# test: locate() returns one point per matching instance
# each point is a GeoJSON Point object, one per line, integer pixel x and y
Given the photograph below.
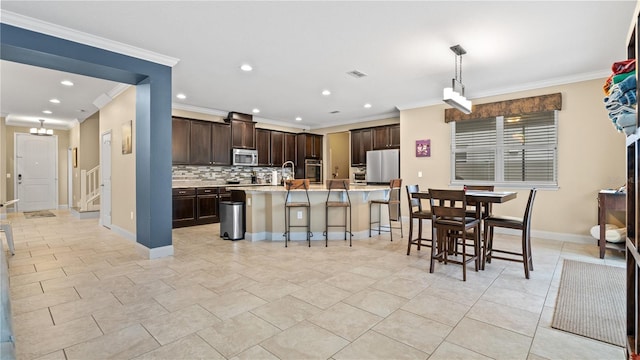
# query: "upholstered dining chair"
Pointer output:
{"type": "Point", "coordinates": [340, 200]}
{"type": "Point", "coordinates": [523, 224]}
{"type": "Point", "coordinates": [392, 203]}
{"type": "Point", "coordinates": [302, 202]}
{"type": "Point", "coordinates": [452, 226]}
{"type": "Point", "coordinates": [416, 212]}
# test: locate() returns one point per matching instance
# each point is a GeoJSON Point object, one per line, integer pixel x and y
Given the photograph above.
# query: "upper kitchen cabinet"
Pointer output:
{"type": "Point", "coordinates": [386, 137]}
{"type": "Point", "coordinates": [263, 145]}
{"type": "Point", "coordinates": [243, 134]}
{"type": "Point", "coordinates": [289, 147]}
{"type": "Point", "coordinates": [277, 148]}
{"type": "Point", "coordinates": [221, 144]}
{"type": "Point", "coordinates": [200, 144]}
{"type": "Point", "coordinates": [309, 146]}
{"type": "Point", "coordinates": [180, 134]}
{"type": "Point", "coordinates": [360, 144]}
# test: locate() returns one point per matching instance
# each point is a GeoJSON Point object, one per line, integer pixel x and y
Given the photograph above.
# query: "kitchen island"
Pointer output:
{"type": "Point", "coordinates": [265, 212]}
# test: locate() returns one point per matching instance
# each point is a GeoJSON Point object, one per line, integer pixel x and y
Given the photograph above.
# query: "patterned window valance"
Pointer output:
{"type": "Point", "coordinates": [508, 108]}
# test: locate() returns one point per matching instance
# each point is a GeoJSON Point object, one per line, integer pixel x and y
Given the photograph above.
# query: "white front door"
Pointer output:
{"type": "Point", "coordinates": [105, 173]}
{"type": "Point", "coordinates": [36, 169]}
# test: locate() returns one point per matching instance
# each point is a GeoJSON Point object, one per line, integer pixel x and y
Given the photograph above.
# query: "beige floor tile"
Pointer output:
{"type": "Point", "coordinates": [18, 260]}
{"type": "Point", "coordinates": [117, 270]}
{"type": "Point", "coordinates": [505, 296]}
{"type": "Point", "coordinates": [372, 272]}
{"type": "Point", "coordinates": [190, 347]}
{"type": "Point", "coordinates": [345, 320]}
{"type": "Point", "coordinates": [445, 311]}
{"type": "Point", "coordinates": [350, 282]}
{"type": "Point", "coordinates": [104, 287]}
{"type": "Point", "coordinates": [188, 279]}
{"type": "Point", "coordinates": [79, 308]}
{"type": "Point", "coordinates": [87, 279]}
{"type": "Point", "coordinates": [228, 283]}
{"type": "Point", "coordinates": [459, 291]}
{"type": "Point", "coordinates": [177, 299]}
{"type": "Point", "coordinates": [231, 304]}
{"type": "Point", "coordinates": [45, 340]}
{"type": "Point", "coordinates": [556, 344]}
{"type": "Point", "coordinates": [120, 316]}
{"type": "Point", "coordinates": [123, 344]}
{"type": "Point", "coordinates": [490, 340]}
{"type": "Point", "coordinates": [21, 269]}
{"type": "Point", "coordinates": [449, 351]}
{"type": "Point", "coordinates": [31, 321]}
{"type": "Point", "coordinates": [255, 353]}
{"type": "Point", "coordinates": [51, 298]}
{"type": "Point", "coordinates": [400, 286]}
{"type": "Point", "coordinates": [304, 341]}
{"type": "Point", "coordinates": [504, 316]}
{"type": "Point", "coordinates": [373, 345]}
{"type": "Point", "coordinates": [376, 301]}
{"type": "Point", "coordinates": [23, 291]}
{"type": "Point", "coordinates": [172, 326]}
{"type": "Point", "coordinates": [285, 312]}
{"type": "Point", "coordinates": [238, 334]}
{"type": "Point", "coordinates": [141, 292]}
{"type": "Point", "coordinates": [36, 276]}
{"type": "Point", "coordinates": [56, 355]}
{"type": "Point", "coordinates": [414, 330]}
{"type": "Point", "coordinates": [321, 295]}
{"type": "Point", "coordinates": [147, 276]}
{"type": "Point", "coordinates": [273, 289]}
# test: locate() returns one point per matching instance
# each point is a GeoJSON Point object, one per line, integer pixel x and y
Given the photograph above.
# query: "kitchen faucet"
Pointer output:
{"type": "Point", "coordinates": [293, 169]}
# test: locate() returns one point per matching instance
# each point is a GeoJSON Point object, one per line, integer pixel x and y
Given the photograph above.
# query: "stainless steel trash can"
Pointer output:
{"type": "Point", "coordinates": [231, 220]}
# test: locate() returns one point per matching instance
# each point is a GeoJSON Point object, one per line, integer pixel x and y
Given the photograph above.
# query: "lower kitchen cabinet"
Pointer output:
{"type": "Point", "coordinates": [184, 207]}
{"type": "Point", "coordinates": [207, 206]}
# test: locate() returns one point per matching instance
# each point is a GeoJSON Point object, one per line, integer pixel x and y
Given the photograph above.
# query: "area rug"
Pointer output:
{"type": "Point", "coordinates": [591, 302]}
{"type": "Point", "coordinates": [38, 214]}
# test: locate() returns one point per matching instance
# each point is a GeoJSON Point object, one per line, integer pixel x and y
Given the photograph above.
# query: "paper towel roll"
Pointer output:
{"type": "Point", "coordinates": [274, 177]}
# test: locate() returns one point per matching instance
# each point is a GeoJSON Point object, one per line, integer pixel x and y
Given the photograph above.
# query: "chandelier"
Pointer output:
{"type": "Point", "coordinates": [450, 95]}
{"type": "Point", "coordinates": [41, 130]}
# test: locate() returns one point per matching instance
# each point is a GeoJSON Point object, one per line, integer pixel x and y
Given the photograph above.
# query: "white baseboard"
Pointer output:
{"type": "Point", "coordinates": [154, 253]}
{"type": "Point", "coordinates": [124, 233]}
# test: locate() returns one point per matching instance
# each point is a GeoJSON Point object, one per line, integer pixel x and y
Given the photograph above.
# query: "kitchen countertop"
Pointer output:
{"type": "Point", "coordinates": [312, 187]}
{"type": "Point", "coordinates": [204, 183]}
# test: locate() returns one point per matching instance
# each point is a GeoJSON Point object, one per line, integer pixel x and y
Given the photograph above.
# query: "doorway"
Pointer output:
{"type": "Point", "coordinates": [105, 176]}
{"type": "Point", "coordinates": [338, 164]}
{"type": "Point", "coordinates": [36, 169]}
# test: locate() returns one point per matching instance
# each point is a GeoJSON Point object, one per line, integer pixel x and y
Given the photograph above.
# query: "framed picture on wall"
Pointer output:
{"type": "Point", "coordinates": [127, 142]}
{"type": "Point", "coordinates": [423, 148]}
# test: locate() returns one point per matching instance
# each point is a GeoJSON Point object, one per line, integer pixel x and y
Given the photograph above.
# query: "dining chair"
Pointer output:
{"type": "Point", "coordinates": [416, 212]}
{"type": "Point", "coordinates": [472, 209]}
{"type": "Point", "coordinates": [304, 203]}
{"type": "Point", "coordinates": [452, 226]}
{"type": "Point", "coordinates": [523, 224]}
{"type": "Point", "coordinates": [341, 200]}
{"type": "Point", "coordinates": [392, 203]}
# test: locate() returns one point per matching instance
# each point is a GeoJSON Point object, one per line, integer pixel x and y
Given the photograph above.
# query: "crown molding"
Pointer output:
{"type": "Point", "coordinates": [199, 109]}
{"type": "Point", "coordinates": [25, 22]}
{"type": "Point", "coordinates": [392, 114]}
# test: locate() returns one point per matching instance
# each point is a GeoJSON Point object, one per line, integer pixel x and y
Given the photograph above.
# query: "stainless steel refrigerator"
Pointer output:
{"type": "Point", "coordinates": [382, 166]}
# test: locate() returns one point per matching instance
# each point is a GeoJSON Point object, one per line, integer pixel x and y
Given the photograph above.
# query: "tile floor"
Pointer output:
{"type": "Point", "coordinates": [79, 291]}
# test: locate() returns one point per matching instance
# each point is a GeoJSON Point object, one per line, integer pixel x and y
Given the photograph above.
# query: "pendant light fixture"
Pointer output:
{"type": "Point", "coordinates": [450, 95]}
{"type": "Point", "coordinates": [41, 130]}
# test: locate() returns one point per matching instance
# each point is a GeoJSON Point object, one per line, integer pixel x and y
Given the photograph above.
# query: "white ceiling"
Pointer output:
{"type": "Point", "coordinates": [297, 49]}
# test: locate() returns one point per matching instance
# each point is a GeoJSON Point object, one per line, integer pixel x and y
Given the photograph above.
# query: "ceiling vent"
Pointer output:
{"type": "Point", "coordinates": [334, 112]}
{"type": "Point", "coordinates": [356, 74]}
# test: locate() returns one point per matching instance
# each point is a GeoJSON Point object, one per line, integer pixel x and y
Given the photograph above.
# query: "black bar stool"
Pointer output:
{"type": "Point", "coordinates": [299, 184]}
{"type": "Point", "coordinates": [343, 201]}
{"type": "Point", "coordinates": [393, 207]}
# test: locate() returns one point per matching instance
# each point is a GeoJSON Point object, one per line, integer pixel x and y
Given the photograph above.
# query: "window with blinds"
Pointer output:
{"type": "Point", "coordinates": [516, 150]}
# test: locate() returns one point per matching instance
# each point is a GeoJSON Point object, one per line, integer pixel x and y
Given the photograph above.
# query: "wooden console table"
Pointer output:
{"type": "Point", "coordinates": [609, 201]}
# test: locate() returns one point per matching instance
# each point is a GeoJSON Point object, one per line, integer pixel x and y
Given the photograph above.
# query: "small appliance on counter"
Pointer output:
{"type": "Point", "coordinates": [360, 176]}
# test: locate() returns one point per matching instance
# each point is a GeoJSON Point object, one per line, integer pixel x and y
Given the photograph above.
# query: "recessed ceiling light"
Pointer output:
{"type": "Point", "coordinates": [47, 112]}
{"type": "Point", "coordinates": [181, 96]}
{"type": "Point", "coordinates": [54, 101]}
{"type": "Point", "coordinates": [367, 106]}
{"type": "Point", "coordinates": [255, 111]}
{"type": "Point", "coordinates": [66, 83]}
{"type": "Point", "coordinates": [326, 92]}
{"type": "Point", "coordinates": [298, 118]}
{"type": "Point", "coordinates": [246, 67]}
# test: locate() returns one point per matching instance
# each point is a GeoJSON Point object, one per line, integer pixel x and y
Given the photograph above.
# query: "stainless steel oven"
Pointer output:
{"type": "Point", "coordinates": [313, 170]}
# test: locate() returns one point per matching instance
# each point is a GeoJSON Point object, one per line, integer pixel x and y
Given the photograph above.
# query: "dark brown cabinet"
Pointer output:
{"type": "Point", "coordinates": [180, 134]}
{"type": "Point", "coordinates": [360, 144]}
{"type": "Point", "coordinates": [221, 144]}
{"type": "Point", "coordinates": [200, 144]}
{"type": "Point", "coordinates": [386, 137]}
{"type": "Point", "coordinates": [184, 207]}
{"type": "Point", "coordinates": [277, 148]}
{"type": "Point", "coordinates": [289, 147]}
{"type": "Point", "coordinates": [309, 146]}
{"type": "Point", "coordinates": [263, 145]}
{"type": "Point", "coordinates": [243, 134]}
{"type": "Point", "coordinates": [207, 206]}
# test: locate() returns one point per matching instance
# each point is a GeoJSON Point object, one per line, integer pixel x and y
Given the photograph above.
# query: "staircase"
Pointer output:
{"type": "Point", "coordinates": [90, 189]}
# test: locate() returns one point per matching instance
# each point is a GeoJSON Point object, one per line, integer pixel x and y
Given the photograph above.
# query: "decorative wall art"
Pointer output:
{"type": "Point", "coordinates": [423, 148]}
{"type": "Point", "coordinates": [127, 142]}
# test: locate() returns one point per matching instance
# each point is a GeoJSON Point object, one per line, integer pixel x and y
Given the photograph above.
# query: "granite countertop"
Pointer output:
{"type": "Point", "coordinates": [312, 187]}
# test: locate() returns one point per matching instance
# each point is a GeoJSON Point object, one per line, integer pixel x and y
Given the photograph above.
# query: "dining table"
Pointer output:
{"type": "Point", "coordinates": [481, 197]}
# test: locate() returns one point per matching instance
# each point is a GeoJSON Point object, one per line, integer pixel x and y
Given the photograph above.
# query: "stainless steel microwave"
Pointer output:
{"type": "Point", "coordinates": [245, 157]}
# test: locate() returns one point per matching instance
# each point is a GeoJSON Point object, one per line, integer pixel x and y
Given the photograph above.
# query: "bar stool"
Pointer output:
{"type": "Point", "coordinates": [5, 227]}
{"type": "Point", "coordinates": [344, 202]}
{"type": "Point", "coordinates": [522, 224]}
{"type": "Point", "coordinates": [417, 213]}
{"type": "Point", "coordinates": [452, 225]}
{"type": "Point", "coordinates": [392, 202]}
{"type": "Point", "coordinates": [298, 184]}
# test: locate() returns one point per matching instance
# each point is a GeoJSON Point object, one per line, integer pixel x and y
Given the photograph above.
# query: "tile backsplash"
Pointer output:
{"type": "Point", "coordinates": [221, 174]}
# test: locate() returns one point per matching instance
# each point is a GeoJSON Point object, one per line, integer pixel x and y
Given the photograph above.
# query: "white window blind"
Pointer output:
{"type": "Point", "coordinates": [517, 150]}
